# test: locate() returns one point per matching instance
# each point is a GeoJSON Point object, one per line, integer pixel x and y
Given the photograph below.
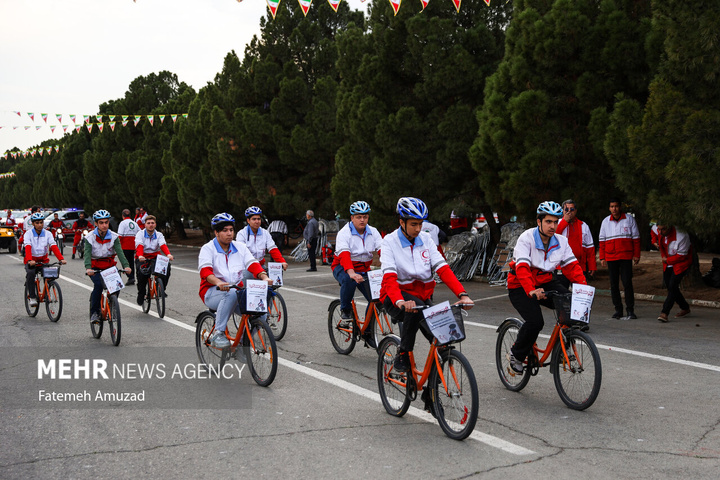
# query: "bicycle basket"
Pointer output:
{"type": "Point", "coordinates": [456, 333]}
{"type": "Point", "coordinates": [147, 268]}
{"type": "Point", "coordinates": [50, 272]}
{"type": "Point", "coordinates": [562, 304]}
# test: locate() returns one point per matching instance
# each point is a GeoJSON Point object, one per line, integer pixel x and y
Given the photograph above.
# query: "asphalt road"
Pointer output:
{"type": "Point", "coordinates": [657, 415]}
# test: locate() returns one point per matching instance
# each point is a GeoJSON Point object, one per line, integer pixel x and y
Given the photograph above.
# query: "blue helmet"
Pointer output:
{"type": "Point", "coordinates": [252, 211]}
{"type": "Point", "coordinates": [221, 220]}
{"type": "Point", "coordinates": [37, 216]}
{"type": "Point", "coordinates": [550, 208]}
{"type": "Point", "coordinates": [359, 207]}
{"type": "Point", "coordinates": [101, 214]}
{"type": "Point", "coordinates": [411, 207]}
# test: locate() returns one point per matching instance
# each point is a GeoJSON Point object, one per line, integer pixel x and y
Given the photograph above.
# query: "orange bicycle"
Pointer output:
{"type": "Point", "coordinates": [451, 394]}
{"type": "Point", "coordinates": [155, 289]}
{"type": "Point", "coordinates": [344, 334]}
{"type": "Point", "coordinates": [251, 342]}
{"type": "Point", "coordinates": [574, 358]}
{"type": "Point", "coordinates": [277, 313]}
{"type": "Point", "coordinates": [50, 292]}
{"type": "Point", "coordinates": [109, 312]}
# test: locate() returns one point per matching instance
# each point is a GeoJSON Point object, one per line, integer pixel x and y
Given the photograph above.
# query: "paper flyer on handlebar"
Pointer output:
{"type": "Point", "coordinates": [582, 299]}
{"type": "Point", "coordinates": [256, 293]}
{"type": "Point", "coordinates": [275, 272]}
{"type": "Point", "coordinates": [375, 278]}
{"type": "Point", "coordinates": [442, 323]}
{"type": "Point", "coordinates": [112, 280]}
{"type": "Point", "coordinates": [161, 264]}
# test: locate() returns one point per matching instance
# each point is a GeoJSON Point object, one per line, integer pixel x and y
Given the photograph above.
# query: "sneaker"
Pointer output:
{"type": "Point", "coordinates": [369, 339]}
{"type": "Point", "coordinates": [346, 315]}
{"type": "Point", "coordinates": [95, 318]}
{"type": "Point", "coordinates": [311, 270]}
{"type": "Point", "coordinates": [663, 317]}
{"type": "Point", "coordinates": [239, 354]}
{"type": "Point", "coordinates": [516, 365]}
{"type": "Point", "coordinates": [131, 281]}
{"type": "Point", "coordinates": [617, 314]}
{"type": "Point", "coordinates": [73, 256]}
{"type": "Point", "coordinates": [631, 315]}
{"type": "Point", "coordinates": [32, 302]}
{"type": "Point", "coordinates": [402, 362]}
{"type": "Point", "coordinates": [219, 340]}
{"type": "Point", "coordinates": [682, 313]}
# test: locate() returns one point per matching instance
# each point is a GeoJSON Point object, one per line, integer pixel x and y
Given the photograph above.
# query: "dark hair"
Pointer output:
{"type": "Point", "coordinates": [34, 208]}
{"type": "Point", "coordinates": [150, 217]}
{"type": "Point", "coordinates": [126, 213]}
{"type": "Point", "coordinates": [615, 200]}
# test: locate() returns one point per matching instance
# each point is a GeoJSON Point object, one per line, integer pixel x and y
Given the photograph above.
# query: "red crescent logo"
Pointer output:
{"type": "Point", "coordinates": [424, 254]}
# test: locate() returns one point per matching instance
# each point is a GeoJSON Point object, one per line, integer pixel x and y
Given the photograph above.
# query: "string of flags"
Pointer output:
{"type": "Point", "coordinates": [76, 124]}
{"type": "Point", "coordinates": [7, 175]}
{"type": "Point", "coordinates": [32, 152]}
{"type": "Point", "coordinates": [334, 4]}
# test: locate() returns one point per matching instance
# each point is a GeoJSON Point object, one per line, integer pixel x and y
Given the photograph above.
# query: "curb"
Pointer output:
{"type": "Point", "coordinates": [640, 296]}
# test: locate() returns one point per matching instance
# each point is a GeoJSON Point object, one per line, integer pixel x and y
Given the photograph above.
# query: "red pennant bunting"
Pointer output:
{"type": "Point", "coordinates": [487, 2]}
{"type": "Point", "coordinates": [395, 5]}
{"type": "Point", "coordinates": [59, 117]}
{"type": "Point", "coordinates": [32, 116]}
{"type": "Point", "coordinates": [77, 128]}
{"type": "Point", "coordinates": [137, 119]}
{"type": "Point", "coordinates": [72, 117]}
{"type": "Point", "coordinates": [38, 127]}
{"type": "Point", "coordinates": [18, 114]}
{"type": "Point", "coordinates": [305, 6]}
{"type": "Point", "coordinates": [150, 118]}
{"type": "Point", "coordinates": [89, 127]}
{"type": "Point", "coordinates": [335, 4]}
{"type": "Point", "coordinates": [100, 126]}
{"type": "Point", "coordinates": [44, 117]}
{"type": "Point", "coordinates": [273, 6]}
{"type": "Point", "coordinates": [65, 127]}
{"type": "Point", "coordinates": [424, 3]}
{"type": "Point", "coordinates": [162, 117]}
{"type": "Point", "coordinates": [112, 126]}
{"type": "Point", "coordinates": [52, 128]}
{"type": "Point", "coordinates": [174, 117]}
{"type": "Point", "coordinates": [457, 5]}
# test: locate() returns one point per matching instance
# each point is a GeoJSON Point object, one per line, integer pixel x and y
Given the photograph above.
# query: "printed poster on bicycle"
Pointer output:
{"type": "Point", "coordinates": [582, 299]}
{"type": "Point", "coordinates": [375, 279]}
{"type": "Point", "coordinates": [442, 323]}
{"type": "Point", "coordinates": [161, 264]}
{"type": "Point", "coordinates": [256, 295]}
{"type": "Point", "coordinates": [275, 272]}
{"type": "Point", "coordinates": [112, 280]}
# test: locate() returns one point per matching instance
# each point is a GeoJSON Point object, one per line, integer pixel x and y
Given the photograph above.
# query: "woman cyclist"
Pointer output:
{"type": "Point", "coordinates": [409, 258]}
{"type": "Point", "coordinates": [537, 254]}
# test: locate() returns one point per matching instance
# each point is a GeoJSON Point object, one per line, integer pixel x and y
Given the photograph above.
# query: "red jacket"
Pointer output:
{"type": "Point", "coordinates": [619, 239]}
{"type": "Point", "coordinates": [581, 242]}
{"type": "Point", "coordinates": [676, 249]}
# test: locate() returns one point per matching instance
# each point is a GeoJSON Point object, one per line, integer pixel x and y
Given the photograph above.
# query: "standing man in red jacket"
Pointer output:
{"type": "Point", "coordinates": [676, 253]}
{"type": "Point", "coordinates": [579, 237]}
{"type": "Point", "coordinates": [619, 249]}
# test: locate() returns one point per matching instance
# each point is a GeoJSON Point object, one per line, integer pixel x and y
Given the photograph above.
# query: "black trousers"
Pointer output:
{"type": "Point", "coordinates": [621, 270]}
{"type": "Point", "coordinates": [411, 321]}
{"type": "Point", "coordinates": [311, 252]}
{"type": "Point", "coordinates": [529, 310]}
{"type": "Point", "coordinates": [674, 294]}
{"type": "Point", "coordinates": [130, 255]}
{"type": "Point", "coordinates": [30, 280]}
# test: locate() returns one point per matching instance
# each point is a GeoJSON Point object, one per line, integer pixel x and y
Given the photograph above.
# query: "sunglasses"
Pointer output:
{"type": "Point", "coordinates": [569, 209]}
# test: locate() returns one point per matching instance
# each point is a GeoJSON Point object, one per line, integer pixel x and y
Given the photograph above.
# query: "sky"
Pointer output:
{"type": "Point", "coordinates": [69, 56]}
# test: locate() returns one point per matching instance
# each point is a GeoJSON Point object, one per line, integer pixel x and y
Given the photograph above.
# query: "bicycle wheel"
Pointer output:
{"type": "Point", "coordinates": [577, 383]}
{"type": "Point", "coordinates": [213, 359]}
{"type": "Point", "coordinates": [277, 316]}
{"type": "Point", "coordinates": [97, 327]}
{"type": "Point", "coordinates": [393, 386]}
{"type": "Point", "coordinates": [261, 353]}
{"type": "Point", "coordinates": [507, 334]}
{"type": "Point", "coordinates": [54, 301]}
{"type": "Point", "coordinates": [148, 295]}
{"type": "Point", "coordinates": [61, 247]}
{"type": "Point", "coordinates": [456, 402]}
{"type": "Point", "coordinates": [32, 311]}
{"type": "Point", "coordinates": [381, 324]}
{"type": "Point", "coordinates": [114, 319]}
{"type": "Point", "coordinates": [160, 297]}
{"type": "Point", "coordinates": [341, 331]}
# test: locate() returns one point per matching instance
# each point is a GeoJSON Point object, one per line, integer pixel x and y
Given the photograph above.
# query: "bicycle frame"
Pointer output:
{"type": "Point", "coordinates": [558, 330]}
{"type": "Point", "coordinates": [105, 304]}
{"type": "Point", "coordinates": [421, 376]}
{"type": "Point", "coordinates": [41, 292]}
{"type": "Point", "coordinates": [371, 312]}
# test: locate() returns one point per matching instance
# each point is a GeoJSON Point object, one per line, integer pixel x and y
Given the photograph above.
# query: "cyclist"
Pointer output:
{"type": "Point", "coordinates": [538, 253]}
{"type": "Point", "coordinates": [101, 247]}
{"type": "Point", "coordinates": [354, 247]}
{"type": "Point", "coordinates": [127, 229]}
{"type": "Point", "coordinates": [148, 244]}
{"type": "Point", "coordinates": [221, 263]}
{"type": "Point", "coordinates": [55, 223]}
{"type": "Point", "coordinates": [409, 258]}
{"type": "Point", "coordinates": [80, 224]}
{"type": "Point", "coordinates": [258, 240]}
{"type": "Point", "coordinates": [9, 220]}
{"type": "Point", "coordinates": [38, 243]}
